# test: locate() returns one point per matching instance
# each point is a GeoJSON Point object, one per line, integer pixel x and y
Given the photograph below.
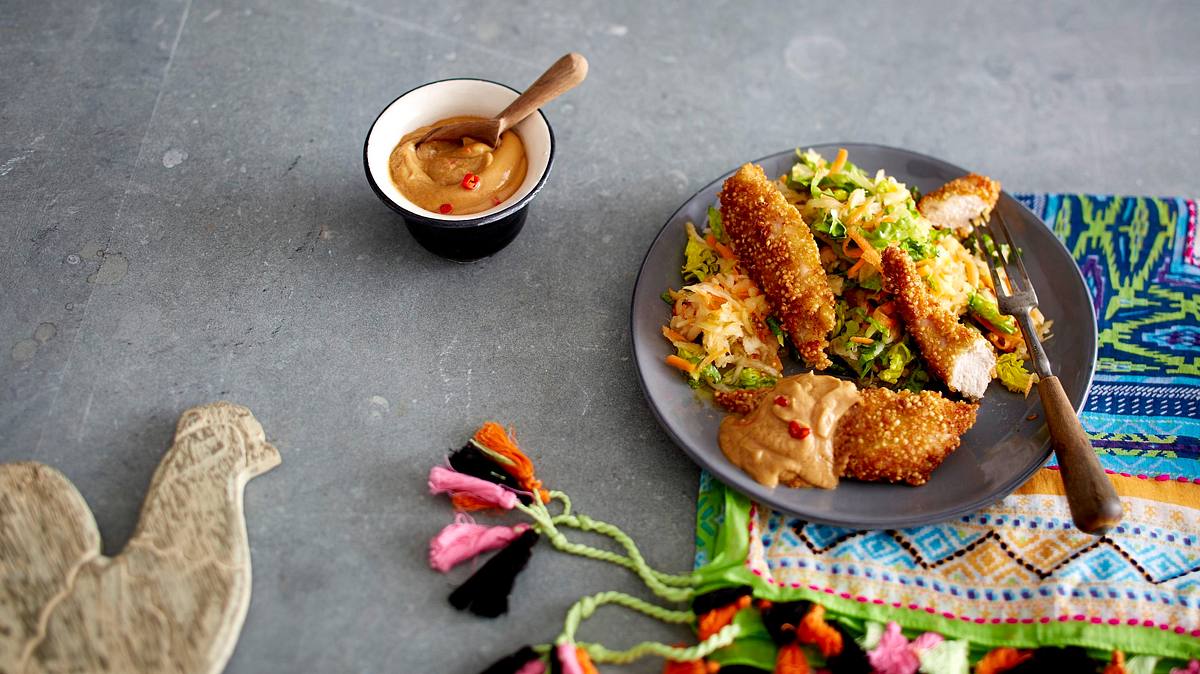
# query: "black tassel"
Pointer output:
{"type": "Point", "coordinates": [556, 666]}
{"type": "Point", "coordinates": [781, 620]}
{"type": "Point", "coordinates": [717, 598]}
{"type": "Point", "coordinates": [486, 592]}
{"type": "Point", "coordinates": [476, 463]}
{"type": "Point", "coordinates": [1053, 660]}
{"type": "Point", "coordinates": [852, 659]}
{"type": "Point", "coordinates": [511, 664]}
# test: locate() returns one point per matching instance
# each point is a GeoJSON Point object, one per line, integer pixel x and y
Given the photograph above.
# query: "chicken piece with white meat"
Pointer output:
{"type": "Point", "coordinates": [957, 204]}
{"type": "Point", "coordinates": [956, 354]}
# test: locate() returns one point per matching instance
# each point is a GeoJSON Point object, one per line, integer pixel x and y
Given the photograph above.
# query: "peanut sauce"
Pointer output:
{"type": "Point", "coordinates": [457, 177]}
{"type": "Point", "coordinates": [768, 444]}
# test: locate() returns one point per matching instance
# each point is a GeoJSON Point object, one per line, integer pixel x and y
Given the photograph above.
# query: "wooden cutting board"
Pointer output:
{"type": "Point", "coordinates": [173, 600]}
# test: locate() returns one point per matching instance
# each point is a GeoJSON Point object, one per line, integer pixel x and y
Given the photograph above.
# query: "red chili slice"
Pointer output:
{"type": "Point", "coordinates": [798, 431]}
{"type": "Point", "coordinates": [445, 209]}
{"type": "Point", "coordinates": [782, 401]}
{"type": "Point", "coordinates": [470, 181]}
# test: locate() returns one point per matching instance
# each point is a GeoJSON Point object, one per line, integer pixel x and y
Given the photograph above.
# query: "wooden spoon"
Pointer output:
{"type": "Point", "coordinates": [564, 75]}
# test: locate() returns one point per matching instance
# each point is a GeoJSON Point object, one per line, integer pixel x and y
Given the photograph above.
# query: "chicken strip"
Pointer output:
{"type": "Point", "coordinates": [779, 253]}
{"type": "Point", "coordinates": [959, 202]}
{"type": "Point", "coordinates": [741, 401]}
{"type": "Point", "coordinates": [958, 355]}
{"type": "Point", "coordinates": [900, 436]}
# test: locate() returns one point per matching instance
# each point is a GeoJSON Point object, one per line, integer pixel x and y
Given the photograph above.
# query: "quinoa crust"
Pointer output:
{"type": "Point", "coordinates": [778, 251]}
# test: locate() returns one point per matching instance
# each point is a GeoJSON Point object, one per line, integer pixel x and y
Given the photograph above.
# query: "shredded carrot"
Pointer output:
{"type": "Point", "coordinates": [681, 364]}
{"type": "Point", "coordinates": [493, 436]}
{"type": "Point", "coordinates": [887, 321]}
{"type": "Point", "coordinates": [888, 307]}
{"type": "Point", "coordinates": [1005, 343]}
{"type": "Point", "coordinates": [722, 250]}
{"type": "Point", "coordinates": [868, 251]}
{"type": "Point", "coordinates": [852, 254]}
{"type": "Point", "coordinates": [856, 214]}
{"type": "Point", "coordinates": [840, 162]}
{"type": "Point", "coordinates": [673, 336]}
{"type": "Point", "coordinates": [791, 660]}
{"type": "Point", "coordinates": [855, 267]}
{"type": "Point", "coordinates": [862, 340]}
{"type": "Point", "coordinates": [1001, 660]}
{"type": "Point", "coordinates": [814, 630]}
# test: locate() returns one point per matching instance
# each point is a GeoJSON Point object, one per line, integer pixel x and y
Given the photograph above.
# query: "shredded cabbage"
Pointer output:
{"type": "Point", "coordinates": [896, 358]}
{"type": "Point", "coordinates": [700, 261]}
{"type": "Point", "coordinates": [1010, 370]}
{"type": "Point", "coordinates": [720, 323]}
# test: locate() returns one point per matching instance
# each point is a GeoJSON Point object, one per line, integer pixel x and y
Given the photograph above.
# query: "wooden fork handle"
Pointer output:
{"type": "Point", "coordinates": [564, 75]}
{"type": "Point", "coordinates": [1095, 506]}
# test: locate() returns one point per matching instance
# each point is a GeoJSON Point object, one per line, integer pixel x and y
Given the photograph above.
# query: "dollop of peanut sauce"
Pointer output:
{"type": "Point", "coordinates": [431, 175]}
{"type": "Point", "coordinates": [766, 445]}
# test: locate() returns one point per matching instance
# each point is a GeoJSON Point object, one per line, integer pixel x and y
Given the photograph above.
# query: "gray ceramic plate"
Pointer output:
{"type": "Point", "coordinates": [996, 456]}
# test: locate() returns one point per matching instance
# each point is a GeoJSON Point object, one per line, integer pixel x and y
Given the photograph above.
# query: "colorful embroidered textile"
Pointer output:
{"type": "Point", "coordinates": [1017, 574]}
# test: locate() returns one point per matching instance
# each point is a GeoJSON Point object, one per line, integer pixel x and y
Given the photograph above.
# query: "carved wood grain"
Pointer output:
{"type": "Point", "coordinates": [173, 600]}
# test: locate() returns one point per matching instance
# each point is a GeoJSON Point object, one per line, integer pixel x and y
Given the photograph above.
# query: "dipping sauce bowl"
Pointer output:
{"type": "Point", "coordinates": [463, 238]}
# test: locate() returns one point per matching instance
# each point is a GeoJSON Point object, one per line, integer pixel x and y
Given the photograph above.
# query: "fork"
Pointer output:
{"type": "Point", "coordinates": [1094, 504]}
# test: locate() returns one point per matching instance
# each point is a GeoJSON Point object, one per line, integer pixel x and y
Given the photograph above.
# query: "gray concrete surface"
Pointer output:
{"type": "Point", "coordinates": [185, 219]}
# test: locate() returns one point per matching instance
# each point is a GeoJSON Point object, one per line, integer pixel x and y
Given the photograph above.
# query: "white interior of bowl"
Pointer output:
{"type": "Point", "coordinates": [449, 98]}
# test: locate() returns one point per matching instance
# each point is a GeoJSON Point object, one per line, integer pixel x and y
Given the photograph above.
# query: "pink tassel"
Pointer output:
{"type": "Point", "coordinates": [533, 667]}
{"type": "Point", "coordinates": [465, 539]}
{"type": "Point", "coordinates": [568, 659]}
{"type": "Point", "coordinates": [443, 480]}
{"type": "Point", "coordinates": [925, 642]}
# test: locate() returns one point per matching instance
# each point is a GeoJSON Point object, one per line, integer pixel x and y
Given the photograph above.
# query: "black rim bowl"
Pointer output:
{"type": "Point", "coordinates": [463, 240]}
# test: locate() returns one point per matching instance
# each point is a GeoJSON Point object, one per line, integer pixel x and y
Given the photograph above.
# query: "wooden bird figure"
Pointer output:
{"type": "Point", "coordinates": [173, 600]}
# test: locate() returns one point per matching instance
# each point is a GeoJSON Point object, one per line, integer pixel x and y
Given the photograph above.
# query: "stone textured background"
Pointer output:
{"type": "Point", "coordinates": [185, 218]}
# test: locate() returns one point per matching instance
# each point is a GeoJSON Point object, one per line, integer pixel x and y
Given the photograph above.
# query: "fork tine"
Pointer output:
{"type": "Point", "coordinates": [981, 246]}
{"type": "Point", "coordinates": [1015, 252]}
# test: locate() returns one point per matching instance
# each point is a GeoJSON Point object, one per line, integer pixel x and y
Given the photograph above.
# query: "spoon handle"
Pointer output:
{"type": "Point", "coordinates": [564, 75]}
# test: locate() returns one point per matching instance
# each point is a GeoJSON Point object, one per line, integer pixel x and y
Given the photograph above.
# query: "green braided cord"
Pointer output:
{"type": "Point", "coordinates": [585, 607]}
{"type": "Point", "coordinates": [545, 524]}
{"type": "Point", "coordinates": [635, 561]}
{"type": "Point", "coordinates": [566, 501]}
{"type": "Point", "coordinates": [703, 649]}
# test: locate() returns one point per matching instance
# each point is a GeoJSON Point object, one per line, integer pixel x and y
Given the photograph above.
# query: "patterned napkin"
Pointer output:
{"type": "Point", "coordinates": [1018, 574]}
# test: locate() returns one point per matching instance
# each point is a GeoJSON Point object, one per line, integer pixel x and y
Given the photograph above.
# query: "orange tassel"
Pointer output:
{"type": "Point", "coordinates": [1001, 660]}
{"type": "Point", "coordinates": [710, 623]}
{"type": "Point", "coordinates": [690, 667]}
{"type": "Point", "coordinates": [1117, 666]}
{"type": "Point", "coordinates": [493, 436]}
{"type": "Point", "coordinates": [791, 660]}
{"type": "Point", "coordinates": [468, 503]}
{"type": "Point", "coordinates": [814, 630]}
{"type": "Point", "coordinates": [585, 661]}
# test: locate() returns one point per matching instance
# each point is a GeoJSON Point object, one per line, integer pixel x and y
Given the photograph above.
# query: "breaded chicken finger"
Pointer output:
{"type": "Point", "coordinates": [958, 355]}
{"type": "Point", "coordinates": [779, 253]}
{"type": "Point", "coordinates": [959, 202]}
{"type": "Point", "coordinates": [900, 436]}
